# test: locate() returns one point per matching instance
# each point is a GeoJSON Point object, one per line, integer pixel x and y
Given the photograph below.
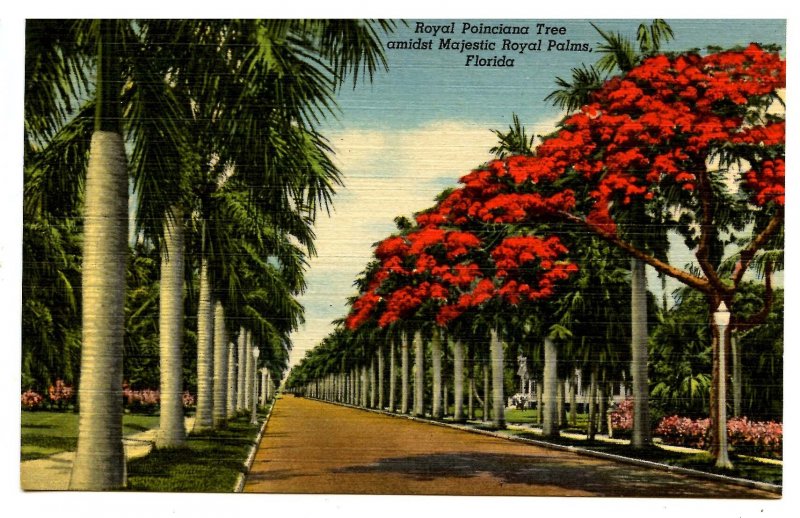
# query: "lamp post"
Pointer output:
{"type": "Point", "coordinates": [253, 417]}
{"type": "Point", "coordinates": [721, 319]}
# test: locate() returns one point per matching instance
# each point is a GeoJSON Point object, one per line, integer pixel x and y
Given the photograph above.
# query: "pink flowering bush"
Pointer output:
{"type": "Point", "coordinates": [683, 431]}
{"type": "Point", "coordinates": [31, 400]}
{"type": "Point", "coordinates": [745, 436]}
{"type": "Point", "coordinates": [145, 400]}
{"type": "Point", "coordinates": [756, 437]}
{"type": "Point", "coordinates": [60, 393]}
{"type": "Point", "coordinates": [188, 400]}
{"type": "Point", "coordinates": [622, 417]}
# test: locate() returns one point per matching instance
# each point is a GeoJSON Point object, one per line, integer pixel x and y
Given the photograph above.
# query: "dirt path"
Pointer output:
{"type": "Point", "coordinates": [314, 447]}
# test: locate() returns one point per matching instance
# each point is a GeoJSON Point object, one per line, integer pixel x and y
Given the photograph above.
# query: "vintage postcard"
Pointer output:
{"type": "Point", "coordinates": [422, 256]}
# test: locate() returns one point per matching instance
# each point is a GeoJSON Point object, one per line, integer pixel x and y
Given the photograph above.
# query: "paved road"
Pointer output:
{"type": "Point", "coordinates": [315, 447]}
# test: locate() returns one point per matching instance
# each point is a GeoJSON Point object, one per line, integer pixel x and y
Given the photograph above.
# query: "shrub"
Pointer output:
{"type": "Point", "coordinates": [745, 436]}
{"type": "Point", "coordinates": [683, 431]}
{"type": "Point", "coordinates": [622, 417]}
{"type": "Point", "coordinates": [188, 400]}
{"type": "Point", "coordinates": [756, 438]}
{"type": "Point", "coordinates": [60, 393]}
{"type": "Point", "coordinates": [141, 401]}
{"type": "Point", "coordinates": [31, 400]}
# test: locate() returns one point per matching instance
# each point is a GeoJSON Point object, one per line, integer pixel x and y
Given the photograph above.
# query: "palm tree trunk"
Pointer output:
{"type": "Point", "coordinates": [561, 406]}
{"type": "Point", "coordinates": [381, 370]}
{"type": "Point", "coordinates": [392, 376]}
{"type": "Point", "coordinates": [100, 460]}
{"type": "Point", "coordinates": [230, 404]}
{"type": "Point", "coordinates": [458, 380]}
{"type": "Point", "coordinates": [640, 436]}
{"type": "Point", "coordinates": [350, 388]}
{"type": "Point", "coordinates": [241, 382]}
{"type": "Point", "coordinates": [498, 400]}
{"type": "Point", "coordinates": [404, 385]}
{"type": "Point", "coordinates": [354, 394]}
{"type": "Point", "coordinates": [470, 399]}
{"type": "Point", "coordinates": [205, 352]}
{"type": "Point", "coordinates": [736, 375]}
{"type": "Point", "coordinates": [262, 399]}
{"type": "Point", "coordinates": [602, 426]}
{"type": "Point", "coordinates": [219, 412]}
{"type": "Point", "coordinates": [445, 397]}
{"type": "Point", "coordinates": [419, 375]}
{"type": "Point", "coordinates": [364, 386]}
{"type": "Point", "coordinates": [550, 424]}
{"type": "Point", "coordinates": [573, 404]}
{"type": "Point", "coordinates": [592, 427]}
{"type": "Point", "coordinates": [171, 430]}
{"type": "Point", "coordinates": [485, 416]}
{"type": "Point", "coordinates": [372, 383]}
{"type": "Point", "coordinates": [539, 403]}
{"type": "Point", "coordinates": [248, 370]}
{"type": "Point", "coordinates": [436, 367]}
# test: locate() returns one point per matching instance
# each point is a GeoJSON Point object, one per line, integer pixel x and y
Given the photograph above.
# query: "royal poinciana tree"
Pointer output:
{"type": "Point", "coordinates": [692, 142]}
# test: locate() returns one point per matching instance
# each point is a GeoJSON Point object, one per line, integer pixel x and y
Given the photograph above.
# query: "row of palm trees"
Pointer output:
{"type": "Point", "coordinates": [211, 125]}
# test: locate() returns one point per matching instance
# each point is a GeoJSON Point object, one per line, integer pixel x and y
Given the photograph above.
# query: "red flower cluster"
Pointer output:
{"type": "Point", "coordinates": [60, 391]}
{"type": "Point", "coordinates": [530, 267]}
{"type": "Point", "coordinates": [426, 264]}
{"type": "Point", "coordinates": [30, 399]}
{"type": "Point", "coordinates": [362, 309]}
{"type": "Point", "coordinates": [767, 182]}
{"type": "Point", "coordinates": [655, 127]}
{"type": "Point", "coordinates": [404, 301]}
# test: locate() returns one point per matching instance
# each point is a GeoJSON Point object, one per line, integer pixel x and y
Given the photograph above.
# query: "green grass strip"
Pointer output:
{"type": "Point", "coordinates": [45, 433]}
{"type": "Point", "coordinates": [210, 463]}
{"type": "Point", "coordinates": [744, 467]}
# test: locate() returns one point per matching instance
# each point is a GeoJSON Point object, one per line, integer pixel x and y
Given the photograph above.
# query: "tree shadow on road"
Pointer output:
{"type": "Point", "coordinates": [600, 478]}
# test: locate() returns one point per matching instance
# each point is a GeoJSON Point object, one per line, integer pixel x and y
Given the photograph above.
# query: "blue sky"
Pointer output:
{"type": "Point", "coordinates": [415, 130]}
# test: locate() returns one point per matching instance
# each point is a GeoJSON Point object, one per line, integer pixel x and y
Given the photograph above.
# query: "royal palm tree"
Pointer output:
{"type": "Point", "coordinates": [104, 62]}
{"type": "Point", "coordinates": [620, 53]}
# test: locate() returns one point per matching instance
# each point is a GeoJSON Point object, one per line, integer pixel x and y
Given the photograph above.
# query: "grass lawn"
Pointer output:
{"type": "Point", "coordinates": [743, 467]}
{"type": "Point", "coordinates": [210, 463]}
{"type": "Point", "coordinates": [46, 433]}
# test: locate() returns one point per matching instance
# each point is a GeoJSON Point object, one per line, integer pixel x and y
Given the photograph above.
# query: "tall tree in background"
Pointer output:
{"type": "Point", "coordinates": [619, 53]}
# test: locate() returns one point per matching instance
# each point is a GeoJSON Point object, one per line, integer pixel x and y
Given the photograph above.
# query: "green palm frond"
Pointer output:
{"type": "Point", "coordinates": [55, 175]}
{"type": "Point", "coordinates": [514, 142]}
{"type": "Point", "coordinates": [571, 95]}
{"type": "Point", "coordinates": [618, 52]}
{"type": "Point", "coordinates": [56, 77]}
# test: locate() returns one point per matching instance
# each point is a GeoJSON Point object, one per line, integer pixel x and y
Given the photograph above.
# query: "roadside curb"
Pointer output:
{"type": "Point", "coordinates": [251, 455]}
{"type": "Point", "coordinates": [764, 486]}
